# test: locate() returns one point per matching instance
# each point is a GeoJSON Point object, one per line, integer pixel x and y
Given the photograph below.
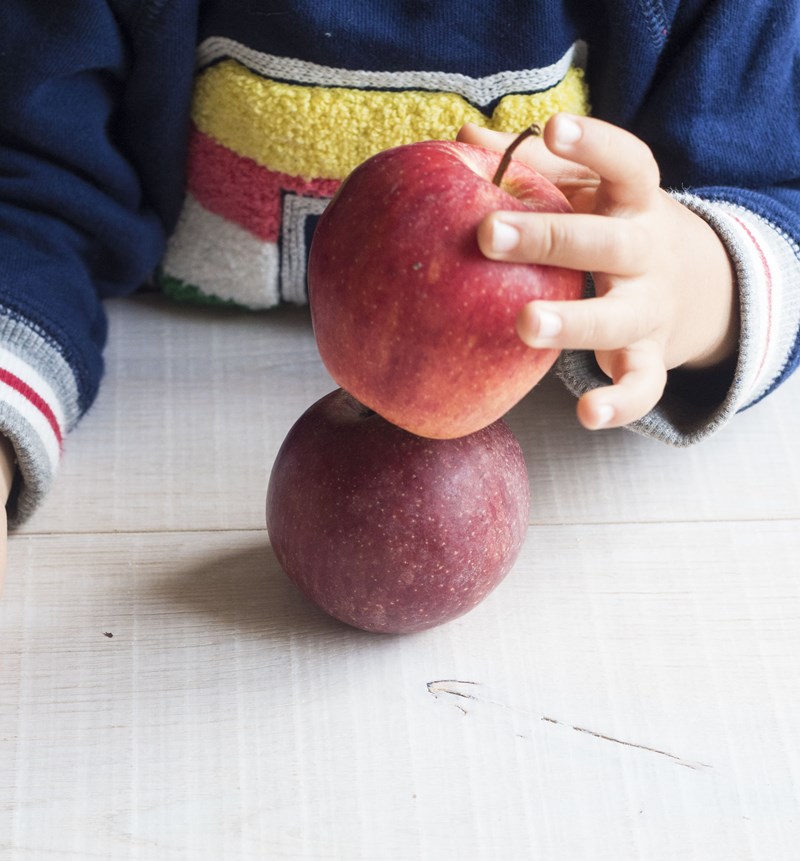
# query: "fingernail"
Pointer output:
{"type": "Point", "coordinates": [505, 237]}
{"type": "Point", "coordinates": [568, 131]}
{"type": "Point", "coordinates": [604, 415]}
{"type": "Point", "coordinates": [550, 325]}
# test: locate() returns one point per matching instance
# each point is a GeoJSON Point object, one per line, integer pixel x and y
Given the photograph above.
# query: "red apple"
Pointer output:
{"type": "Point", "coordinates": [389, 531]}
{"type": "Point", "coordinates": [409, 315]}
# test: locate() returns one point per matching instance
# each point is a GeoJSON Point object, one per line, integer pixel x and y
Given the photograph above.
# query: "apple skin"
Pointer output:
{"type": "Point", "coordinates": [392, 532]}
{"type": "Point", "coordinates": [409, 315]}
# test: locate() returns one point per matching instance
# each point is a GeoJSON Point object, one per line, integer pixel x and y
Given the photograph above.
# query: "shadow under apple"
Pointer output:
{"type": "Point", "coordinates": [244, 593]}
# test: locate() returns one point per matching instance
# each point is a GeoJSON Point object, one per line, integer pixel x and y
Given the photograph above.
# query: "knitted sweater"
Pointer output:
{"type": "Point", "coordinates": [198, 140]}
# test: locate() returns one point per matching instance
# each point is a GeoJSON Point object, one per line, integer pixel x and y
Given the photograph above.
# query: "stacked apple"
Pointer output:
{"type": "Point", "coordinates": [401, 500]}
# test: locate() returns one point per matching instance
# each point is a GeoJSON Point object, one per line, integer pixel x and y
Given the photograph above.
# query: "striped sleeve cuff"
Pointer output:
{"type": "Point", "coordinates": [38, 406]}
{"type": "Point", "coordinates": [767, 267]}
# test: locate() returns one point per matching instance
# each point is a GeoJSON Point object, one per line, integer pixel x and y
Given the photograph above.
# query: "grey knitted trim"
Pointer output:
{"type": "Point", "coordinates": [35, 475]}
{"type": "Point", "coordinates": [674, 420]}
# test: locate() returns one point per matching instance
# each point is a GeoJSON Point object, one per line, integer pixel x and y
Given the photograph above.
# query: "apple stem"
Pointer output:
{"type": "Point", "coordinates": [532, 131]}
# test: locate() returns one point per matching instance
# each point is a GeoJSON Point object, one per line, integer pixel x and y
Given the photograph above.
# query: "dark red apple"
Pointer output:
{"type": "Point", "coordinates": [389, 531]}
{"type": "Point", "coordinates": [409, 315]}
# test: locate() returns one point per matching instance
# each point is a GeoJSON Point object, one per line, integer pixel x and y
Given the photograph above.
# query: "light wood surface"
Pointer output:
{"type": "Point", "coordinates": [632, 691]}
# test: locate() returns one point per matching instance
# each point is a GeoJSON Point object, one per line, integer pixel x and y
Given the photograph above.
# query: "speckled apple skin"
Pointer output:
{"type": "Point", "coordinates": [409, 315]}
{"type": "Point", "coordinates": [392, 532]}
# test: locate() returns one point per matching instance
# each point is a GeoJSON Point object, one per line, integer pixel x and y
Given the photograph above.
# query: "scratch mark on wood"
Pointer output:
{"type": "Point", "coordinates": [444, 686]}
{"type": "Point", "coordinates": [677, 759]}
{"type": "Point", "coordinates": [447, 686]}
{"type": "Point", "coordinates": [454, 688]}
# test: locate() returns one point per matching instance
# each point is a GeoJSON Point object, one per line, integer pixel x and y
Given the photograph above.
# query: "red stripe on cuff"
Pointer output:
{"type": "Point", "coordinates": [22, 388]}
{"type": "Point", "coordinates": [241, 190]}
{"type": "Point", "coordinates": [769, 286]}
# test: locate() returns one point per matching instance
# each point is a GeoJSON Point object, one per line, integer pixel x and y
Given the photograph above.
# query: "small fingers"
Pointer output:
{"type": "Point", "coordinates": [532, 152]}
{"type": "Point", "coordinates": [625, 164]}
{"type": "Point", "coordinates": [575, 240]}
{"type": "Point", "coordinates": [640, 376]}
{"type": "Point", "coordinates": [472, 133]}
{"type": "Point", "coordinates": [610, 322]}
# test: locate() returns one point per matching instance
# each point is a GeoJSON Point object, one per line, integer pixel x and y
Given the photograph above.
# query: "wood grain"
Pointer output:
{"type": "Point", "coordinates": [631, 691]}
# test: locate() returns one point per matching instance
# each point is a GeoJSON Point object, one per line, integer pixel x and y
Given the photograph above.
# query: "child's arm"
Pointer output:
{"type": "Point", "coordinates": [664, 286]}
{"type": "Point", "coordinates": [721, 118]}
{"type": "Point", "coordinates": [718, 305]}
{"type": "Point", "coordinates": [93, 119]}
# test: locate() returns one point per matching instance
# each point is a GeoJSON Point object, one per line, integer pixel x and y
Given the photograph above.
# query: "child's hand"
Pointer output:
{"type": "Point", "coordinates": [664, 284]}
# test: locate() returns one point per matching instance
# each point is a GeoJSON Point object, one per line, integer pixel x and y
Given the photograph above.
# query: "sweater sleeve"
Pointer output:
{"type": "Point", "coordinates": [78, 222]}
{"type": "Point", "coordinates": [766, 265]}
{"type": "Point", "coordinates": [722, 117]}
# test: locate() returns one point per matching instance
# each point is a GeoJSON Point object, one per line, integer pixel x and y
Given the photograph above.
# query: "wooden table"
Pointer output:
{"type": "Point", "coordinates": [632, 691]}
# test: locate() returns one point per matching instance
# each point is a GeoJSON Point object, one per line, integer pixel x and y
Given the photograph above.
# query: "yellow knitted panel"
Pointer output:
{"type": "Point", "coordinates": [514, 113]}
{"type": "Point", "coordinates": [313, 131]}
